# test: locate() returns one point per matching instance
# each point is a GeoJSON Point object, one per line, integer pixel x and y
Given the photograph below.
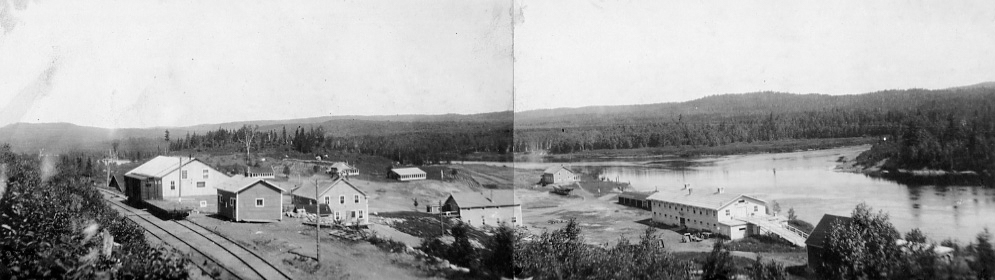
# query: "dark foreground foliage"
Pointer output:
{"type": "Point", "coordinates": [866, 248]}
{"type": "Point", "coordinates": [54, 225]}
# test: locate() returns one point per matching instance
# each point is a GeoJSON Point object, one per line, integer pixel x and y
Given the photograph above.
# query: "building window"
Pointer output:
{"type": "Point", "coordinates": [328, 200]}
{"type": "Point", "coordinates": [514, 219]}
{"type": "Point", "coordinates": [203, 203]}
{"type": "Point", "coordinates": [201, 184]}
{"type": "Point", "coordinates": [360, 214]}
{"type": "Point", "coordinates": [727, 212]}
{"type": "Point", "coordinates": [205, 173]}
{"type": "Point", "coordinates": [352, 214]}
{"type": "Point", "coordinates": [183, 174]}
{"type": "Point", "coordinates": [742, 200]}
{"type": "Point", "coordinates": [755, 208]}
{"type": "Point", "coordinates": [231, 201]}
{"type": "Point", "coordinates": [172, 185]}
{"type": "Point", "coordinates": [341, 199]}
{"type": "Point", "coordinates": [483, 221]}
{"type": "Point", "coordinates": [260, 202]}
{"type": "Point", "coordinates": [356, 198]}
{"type": "Point", "coordinates": [221, 200]}
{"type": "Point", "coordinates": [338, 215]}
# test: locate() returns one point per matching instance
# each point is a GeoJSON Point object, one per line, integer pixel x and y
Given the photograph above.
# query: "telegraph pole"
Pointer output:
{"type": "Point", "coordinates": [317, 224]}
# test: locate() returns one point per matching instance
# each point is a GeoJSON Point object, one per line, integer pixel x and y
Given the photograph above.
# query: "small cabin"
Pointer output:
{"type": "Point", "coordinates": [557, 175]}
{"type": "Point", "coordinates": [250, 200]}
{"type": "Point", "coordinates": [342, 169]}
{"type": "Point", "coordinates": [259, 172]}
{"type": "Point", "coordinates": [407, 174]}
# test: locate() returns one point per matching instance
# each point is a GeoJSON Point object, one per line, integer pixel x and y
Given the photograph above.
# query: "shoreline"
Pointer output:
{"type": "Point", "coordinates": [739, 148]}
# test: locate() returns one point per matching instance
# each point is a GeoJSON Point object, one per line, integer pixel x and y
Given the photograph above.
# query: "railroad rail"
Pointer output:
{"type": "Point", "coordinates": [237, 261]}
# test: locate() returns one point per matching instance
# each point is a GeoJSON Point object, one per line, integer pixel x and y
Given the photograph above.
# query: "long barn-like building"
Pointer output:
{"type": "Point", "coordinates": [165, 177]}
{"type": "Point", "coordinates": [717, 211]}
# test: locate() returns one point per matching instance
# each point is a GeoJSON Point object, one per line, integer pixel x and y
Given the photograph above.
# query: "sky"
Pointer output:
{"type": "Point", "coordinates": [136, 63]}
{"type": "Point", "coordinates": [146, 63]}
{"type": "Point", "coordinates": [584, 53]}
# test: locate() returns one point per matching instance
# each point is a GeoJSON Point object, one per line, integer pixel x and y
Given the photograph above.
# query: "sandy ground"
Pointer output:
{"type": "Point", "coordinates": [341, 259]}
{"type": "Point", "coordinates": [603, 221]}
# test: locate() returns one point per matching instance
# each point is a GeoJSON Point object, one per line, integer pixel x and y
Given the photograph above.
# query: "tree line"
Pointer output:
{"type": "Point", "coordinates": [421, 143]}
{"type": "Point", "coordinates": [766, 116]}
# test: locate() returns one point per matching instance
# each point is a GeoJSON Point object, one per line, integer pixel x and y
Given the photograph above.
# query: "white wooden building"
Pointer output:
{"type": "Point", "coordinates": [711, 210]}
{"type": "Point", "coordinates": [490, 208]}
{"type": "Point", "coordinates": [407, 174]}
{"type": "Point", "coordinates": [557, 175]}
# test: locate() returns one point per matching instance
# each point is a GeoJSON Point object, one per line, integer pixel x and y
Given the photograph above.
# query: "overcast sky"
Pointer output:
{"type": "Point", "coordinates": [572, 54]}
{"type": "Point", "coordinates": [168, 63]}
{"type": "Point", "coordinates": [175, 63]}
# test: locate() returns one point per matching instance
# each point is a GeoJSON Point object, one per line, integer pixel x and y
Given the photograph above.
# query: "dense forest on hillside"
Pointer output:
{"type": "Point", "coordinates": [408, 143]}
{"type": "Point", "coordinates": [766, 116]}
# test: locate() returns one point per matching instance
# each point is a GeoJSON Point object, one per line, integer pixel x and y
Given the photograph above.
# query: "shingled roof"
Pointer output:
{"type": "Point", "coordinates": [818, 236]}
{"type": "Point", "coordinates": [487, 199]}
{"type": "Point", "coordinates": [308, 190]}
{"type": "Point", "coordinates": [555, 169]}
{"type": "Point", "coordinates": [238, 183]}
{"type": "Point", "coordinates": [698, 198]}
{"type": "Point", "coordinates": [159, 166]}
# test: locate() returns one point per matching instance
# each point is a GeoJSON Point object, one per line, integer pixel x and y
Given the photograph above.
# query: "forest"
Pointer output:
{"type": "Point", "coordinates": [411, 143]}
{"type": "Point", "coordinates": [941, 129]}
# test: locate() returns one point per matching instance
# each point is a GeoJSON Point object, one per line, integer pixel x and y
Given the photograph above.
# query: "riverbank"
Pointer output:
{"type": "Point", "coordinates": [879, 162]}
{"type": "Point", "coordinates": [738, 148]}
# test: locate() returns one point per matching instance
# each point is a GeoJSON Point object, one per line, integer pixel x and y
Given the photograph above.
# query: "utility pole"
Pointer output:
{"type": "Point", "coordinates": [180, 197]}
{"type": "Point", "coordinates": [317, 224]}
{"type": "Point", "coordinates": [442, 225]}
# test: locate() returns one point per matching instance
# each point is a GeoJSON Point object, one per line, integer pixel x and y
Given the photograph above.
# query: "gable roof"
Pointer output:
{"type": "Point", "coordinates": [475, 199]}
{"type": "Point", "coordinates": [341, 166]}
{"type": "Point", "coordinates": [818, 236]}
{"type": "Point", "coordinates": [554, 169]}
{"type": "Point", "coordinates": [161, 166]}
{"type": "Point", "coordinates": [699, 198]}
{"type": "Point", "coordinates": [308, 190]}
{"type": "Point", "coordinates": [239, 183]}
{"type": "Point", "coordinates": [408, 171]}
{"type": "Point", "coordinates": [635, 195]}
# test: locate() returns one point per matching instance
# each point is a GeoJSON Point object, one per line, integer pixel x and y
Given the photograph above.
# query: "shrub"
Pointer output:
{"type": "Point", "coordinates": [62, 228]}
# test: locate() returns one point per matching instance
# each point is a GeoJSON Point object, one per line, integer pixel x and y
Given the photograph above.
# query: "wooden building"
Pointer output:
{"type": "Point", "coordinates": [259, 172]}
{"type": "Point", "coordinates": [635, 199]}
{"type": "Point", "coordinates": [557, 175]}
{"type": "Point", "coordinates": [407, 174]}
{"type": "Point", "coordinates": [165, 177]}
{"type": "Point", "coordinates": [342, 169]}
{"type": "Point", "coordinates": [349, 204]}
{"type": "Point", "coordinates": [250, 199]}
{"type": "Point", "coordinates": [714, 211]}
{"type": "Point", "coordinates": [490, 208]}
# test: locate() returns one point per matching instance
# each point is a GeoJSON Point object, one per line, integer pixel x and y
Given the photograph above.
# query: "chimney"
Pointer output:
{"type": "Point", "coordinates": [718, 190]}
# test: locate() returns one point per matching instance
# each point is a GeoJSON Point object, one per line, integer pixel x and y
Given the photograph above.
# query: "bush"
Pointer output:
{"type": "Point", "coordinates": [62, 228]}
{"type": "Point", "coordinates": [387, 244]}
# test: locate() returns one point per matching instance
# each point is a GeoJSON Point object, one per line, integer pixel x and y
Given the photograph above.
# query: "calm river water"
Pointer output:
{"type": "Point", "coordinates": [808, 182]}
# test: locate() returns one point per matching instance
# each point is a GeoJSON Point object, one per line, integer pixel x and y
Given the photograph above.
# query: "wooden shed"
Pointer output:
{"type": "Point", "coordinates": [817, 239]}
{"type": "Point", "coordinates": [250, 200]}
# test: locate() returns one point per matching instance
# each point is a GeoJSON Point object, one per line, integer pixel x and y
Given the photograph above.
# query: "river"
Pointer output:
{"type": "Point", "coordinates": [808, 182]}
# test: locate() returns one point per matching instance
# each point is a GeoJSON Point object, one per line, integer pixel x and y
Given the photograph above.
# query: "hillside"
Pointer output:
{"type": "Point", "coordinates": [732, 118]}
{"type": "Point", "coordinates": [56, 137]}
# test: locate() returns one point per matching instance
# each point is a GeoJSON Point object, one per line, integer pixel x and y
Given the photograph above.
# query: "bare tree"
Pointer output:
{"type": "Point", "coordinates": [248, 132]}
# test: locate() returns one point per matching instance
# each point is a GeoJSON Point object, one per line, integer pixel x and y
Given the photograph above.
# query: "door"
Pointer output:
{"type": "Point", "coordinates": [682, 223]}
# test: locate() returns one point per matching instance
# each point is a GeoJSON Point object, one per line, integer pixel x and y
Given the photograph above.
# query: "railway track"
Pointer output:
{"type": "Point", "coordinates": [237, 261]}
